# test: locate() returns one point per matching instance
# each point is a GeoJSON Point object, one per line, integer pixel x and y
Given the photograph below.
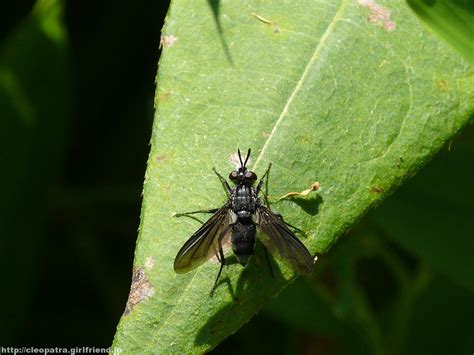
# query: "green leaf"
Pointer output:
{"type": "Point", "coordinates": [451, 20]}
{"type": "Point", "coordinates": [354, 95]}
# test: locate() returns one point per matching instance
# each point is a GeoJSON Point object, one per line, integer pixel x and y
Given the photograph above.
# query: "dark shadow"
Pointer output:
{"type": "Point", "coordinates": [215, 7]}
{"type": "Point", "coordinates": [225, 280]}
{"type": "Point", "coordinates": [231, 260]}
{"type": "Point", "coordinates": [309, 205]}
{"type": "Point", "coordinates": [255, 287]}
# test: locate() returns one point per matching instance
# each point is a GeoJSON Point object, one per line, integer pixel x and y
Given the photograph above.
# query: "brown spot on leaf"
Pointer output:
{"type": "Point", "coordinates": [265, 134]}
{"type": "Point", "coordinates": [140, 290]}
{"type": "Point", "coordinates": [168, 41]}
{"type": "Point", "coordinates": [378, 14]}
{"type": "Point", "coordinates": [159, 158]}
{"type": "Point", "coordinates": [400, 161]}
{"type": "Point", "coordinates": [443, 85]}
{"type": "Point", "coordinates": [305, 140]}
{"type": "Point", "coordinates": [377, 189]}
{"type": "Point", "coordinates": [164, 96]}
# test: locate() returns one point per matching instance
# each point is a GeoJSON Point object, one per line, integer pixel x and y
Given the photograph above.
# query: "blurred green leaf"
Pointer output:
{"type": "Point", "coordinates": [372, 316]}
{"type": "Point", "coordinates": [442, 321]}
{"type": "Point", "coordinates": [431, 215]}
{"type": "Point", "coordinates": [327, 92]}
{"type": "Point", "coordinates": [303, 307]}
{"type": "Point", "coordinates": [35, 100]}
{"type": "Point", "coordinates": [451, 20]}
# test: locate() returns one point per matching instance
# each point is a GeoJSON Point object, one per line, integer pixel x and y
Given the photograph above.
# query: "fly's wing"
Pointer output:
{"type": "Point", "coordinates": [204, 243]}
{"type": "Point", "coordinates": [280, 240]}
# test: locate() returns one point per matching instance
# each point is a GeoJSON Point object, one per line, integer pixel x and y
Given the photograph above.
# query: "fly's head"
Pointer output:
{"type": "Point", "coordinates": [242, 176]}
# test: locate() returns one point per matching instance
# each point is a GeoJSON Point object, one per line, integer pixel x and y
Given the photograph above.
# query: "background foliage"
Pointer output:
{"type": "Point", "coordinates": [74, 132]}
{"type": "Point", "coordinates": [451, 20]}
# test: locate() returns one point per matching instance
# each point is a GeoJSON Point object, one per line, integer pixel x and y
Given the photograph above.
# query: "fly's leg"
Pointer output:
{"type": "Point", "coordinates": [212, 210]}
{"type": "Point", "coordinates": [289, 225]}
{"type": "Point", "coordinates": [221, 258]}
{"type": "Point", "coordinates": [217, 279]}
{"type": "Point", "coordinates": [265, 198]}
{"type": "Point", "coordinates": [228, 191]}
{"type": "Point", "coordinates": [268, 261]}
{"type": "Point", "coordinates": [260, 183]}
{"type": "Point", "coordinates": [224, 182]}
{"type": "Point", "coordinates": [295, 228]}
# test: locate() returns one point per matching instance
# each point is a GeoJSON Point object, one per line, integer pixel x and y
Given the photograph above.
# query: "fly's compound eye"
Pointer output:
{"type": "Point", "coordinates": [233, 175]}
{"type": "Point", "coordinates": [250, 175]}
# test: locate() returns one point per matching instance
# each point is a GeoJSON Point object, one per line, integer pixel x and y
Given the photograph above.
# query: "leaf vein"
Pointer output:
{"type": "Point", "coordinates": [299, 84]}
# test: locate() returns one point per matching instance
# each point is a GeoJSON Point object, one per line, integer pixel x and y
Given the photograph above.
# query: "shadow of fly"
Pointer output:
{"type": "Point", "coordinates": [238, 221]}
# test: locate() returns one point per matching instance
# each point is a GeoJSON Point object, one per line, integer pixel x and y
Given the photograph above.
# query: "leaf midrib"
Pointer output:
{"type": "Point", "coordinates": [300, 82]}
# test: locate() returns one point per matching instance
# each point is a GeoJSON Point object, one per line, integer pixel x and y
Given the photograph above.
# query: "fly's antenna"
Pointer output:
{"type": "Point", "coordinates": [240, 158]}
{"type": "Point", "coordinates": [247, 157]}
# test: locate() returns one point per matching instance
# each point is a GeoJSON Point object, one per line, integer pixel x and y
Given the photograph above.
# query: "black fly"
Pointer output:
{"type": "Point", "coordinates": [238, 220]}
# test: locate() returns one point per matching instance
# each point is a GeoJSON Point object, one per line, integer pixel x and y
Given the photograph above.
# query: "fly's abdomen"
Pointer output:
{"type": "Point", "coordinates": [243, 240]}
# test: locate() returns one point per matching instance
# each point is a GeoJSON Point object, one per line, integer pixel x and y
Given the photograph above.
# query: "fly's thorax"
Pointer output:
{"type": "Point", "coordinates": [244, 201]}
